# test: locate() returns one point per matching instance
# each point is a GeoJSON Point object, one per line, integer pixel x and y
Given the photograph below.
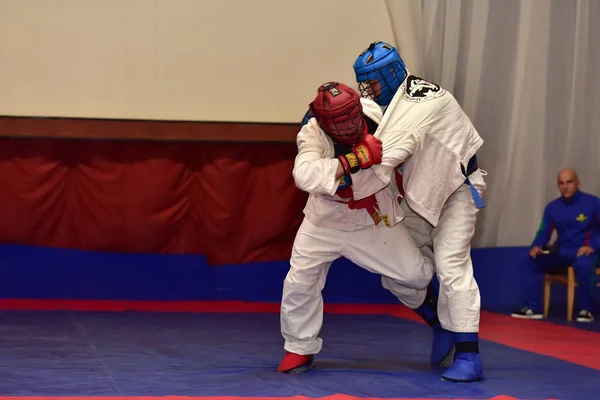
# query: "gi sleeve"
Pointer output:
{"type": "Point", "coordinates": [314, 169]}
{"type": "Point", "coordinates": [397, 147]}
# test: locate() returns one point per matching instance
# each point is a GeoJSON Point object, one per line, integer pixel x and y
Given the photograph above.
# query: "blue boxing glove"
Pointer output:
{"type": "Point", "coordinates": [344, 189]}
{"type": "Point", "coordinates": [344, 182]}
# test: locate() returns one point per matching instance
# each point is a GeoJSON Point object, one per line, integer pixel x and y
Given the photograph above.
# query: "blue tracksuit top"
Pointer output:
{"type": "Point", "coordinates": [576, 220]}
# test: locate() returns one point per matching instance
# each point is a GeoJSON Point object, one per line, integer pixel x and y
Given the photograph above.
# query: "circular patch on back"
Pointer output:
{"type": "Point", "coordinates": [419, 90]}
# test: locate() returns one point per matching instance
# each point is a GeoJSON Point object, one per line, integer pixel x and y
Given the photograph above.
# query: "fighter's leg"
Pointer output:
{"type": "Point", "coordinates": [391, 252]}
{"type": "Point", "coordinates": [301, 318]}
{"type": "Point", "coordinates": [442, 349]}
{"type": "Point", "coordinates": [418, 227]}
{"type": "Point", "coordinates": [459, 298]}
{"type": "Point", "coordinates": [406, 272]}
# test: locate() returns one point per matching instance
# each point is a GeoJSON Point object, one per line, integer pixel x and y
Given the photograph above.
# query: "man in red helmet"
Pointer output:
{"type": "Point", "coordinates": [334, 150]}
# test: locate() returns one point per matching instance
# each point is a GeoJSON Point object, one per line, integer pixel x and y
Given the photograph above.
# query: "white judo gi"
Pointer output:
{"type": "Point", "coordinates": [425, 129]}
{"type": "Point", "coordinates": [331, 230]}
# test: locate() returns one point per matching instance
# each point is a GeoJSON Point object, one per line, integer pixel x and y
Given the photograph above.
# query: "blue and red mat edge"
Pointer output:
{"type": "Point", "coordinates": [330, 397]}
{"type": "Point", "coordinates": [35, 278]}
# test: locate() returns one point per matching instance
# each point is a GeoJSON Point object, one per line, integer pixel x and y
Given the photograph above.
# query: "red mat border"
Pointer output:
{"type": "Point", "coordinates": [331, 397]}
{"type": "Point", "coordinates": [562, 342]}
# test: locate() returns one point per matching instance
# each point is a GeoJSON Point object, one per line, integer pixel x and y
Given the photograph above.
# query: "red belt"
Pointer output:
{"type": "Point", "coordinates": [368, 203]}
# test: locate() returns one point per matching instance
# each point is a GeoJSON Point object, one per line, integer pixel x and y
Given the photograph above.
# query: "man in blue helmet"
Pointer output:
{"type": "Point", "coordinates": [425, 132]}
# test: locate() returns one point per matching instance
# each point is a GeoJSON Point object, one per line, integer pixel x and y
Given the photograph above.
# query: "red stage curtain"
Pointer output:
{"type": "Point", "coordinates": [233, 202]}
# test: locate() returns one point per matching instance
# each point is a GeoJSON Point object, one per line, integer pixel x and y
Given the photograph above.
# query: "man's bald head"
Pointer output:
{"type": "Point", "coordinates": [567, 182]}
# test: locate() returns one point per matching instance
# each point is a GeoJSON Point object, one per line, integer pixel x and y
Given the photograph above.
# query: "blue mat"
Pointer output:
{"type": "Point", "coordinates": [186, 354]}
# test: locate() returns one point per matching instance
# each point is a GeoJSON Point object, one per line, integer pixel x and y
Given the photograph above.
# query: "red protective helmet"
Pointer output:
{"type": "Point", "coordinates": [338, 111]}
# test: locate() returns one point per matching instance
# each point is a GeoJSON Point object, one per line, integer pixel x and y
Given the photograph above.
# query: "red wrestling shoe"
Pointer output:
{"type": "Point", "coordinates": [294, 363]}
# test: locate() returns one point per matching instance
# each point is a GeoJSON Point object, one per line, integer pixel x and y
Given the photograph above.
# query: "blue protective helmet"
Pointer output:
{"type": "Point", "coordinates": [379, 72]}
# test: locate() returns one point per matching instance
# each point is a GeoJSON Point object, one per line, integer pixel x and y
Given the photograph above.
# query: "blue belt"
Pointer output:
{"type": "Point", "coordinates": [472, 167]}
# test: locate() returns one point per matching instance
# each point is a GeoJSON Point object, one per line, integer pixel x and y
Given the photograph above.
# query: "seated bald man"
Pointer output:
{"type": "Point", "coordinates": [576, 217]}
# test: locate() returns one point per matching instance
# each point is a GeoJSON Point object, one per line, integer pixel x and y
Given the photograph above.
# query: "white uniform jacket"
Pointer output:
{"type": "Point", "coordinates": [424, 128]}
{"type": "Point", "coordinates": [314, 172]}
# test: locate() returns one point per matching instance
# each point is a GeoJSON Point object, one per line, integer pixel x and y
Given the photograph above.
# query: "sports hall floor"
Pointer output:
{"type": "Point", "coordinates": [102, 350]}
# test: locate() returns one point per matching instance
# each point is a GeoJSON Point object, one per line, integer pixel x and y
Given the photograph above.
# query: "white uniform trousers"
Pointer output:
{"type": "Point", "coordinates": [388, 251]}
{"type": "Point", "coordinates": [459, 301]}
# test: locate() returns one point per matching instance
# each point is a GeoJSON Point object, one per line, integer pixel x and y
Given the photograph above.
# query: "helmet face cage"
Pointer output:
{"type": "Point", "coordinates": [348, 127]}
{"type": "Point", "coordinates": [370, 89]}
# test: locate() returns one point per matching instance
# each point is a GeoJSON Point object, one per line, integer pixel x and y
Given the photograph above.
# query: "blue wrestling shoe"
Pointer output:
{"type": "Point", "coordinates": [467, 365]}
{"type": "Point", "coordinates": [442, 348]}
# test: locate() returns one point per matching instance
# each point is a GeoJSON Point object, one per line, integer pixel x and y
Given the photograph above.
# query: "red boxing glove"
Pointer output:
{"type": "Point", "coordinates": [368, 151]}
{"type": "Point", "coordinates": [349, 163]}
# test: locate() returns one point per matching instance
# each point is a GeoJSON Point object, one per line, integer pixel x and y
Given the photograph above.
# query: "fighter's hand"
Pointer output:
{"type": "Point", "coordinates": [535, 251]}
{"type": "Point", "coordinates": [349, 163]}
{"type": "Point", "coordinates": [585, 251]}
{"type": "Point", "coordinates": [369, 151]}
